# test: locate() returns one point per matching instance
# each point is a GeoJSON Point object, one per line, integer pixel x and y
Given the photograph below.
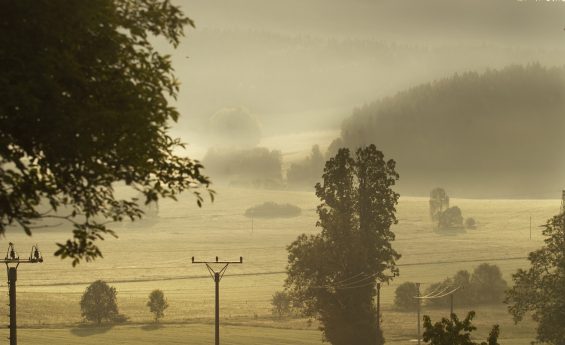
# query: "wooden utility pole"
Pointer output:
{"type": "Point", "coordinates": [419, 303]}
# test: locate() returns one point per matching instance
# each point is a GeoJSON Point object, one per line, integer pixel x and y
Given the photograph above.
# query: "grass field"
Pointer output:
{"type": "Point", "coordinates": [156, 253]}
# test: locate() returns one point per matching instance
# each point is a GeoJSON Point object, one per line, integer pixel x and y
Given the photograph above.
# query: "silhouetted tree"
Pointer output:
{"type": "Point", "coordinates": [439, 201]}
{"type": "Point", "coordinates": [280, 304]}
{"type": "Point", "coordinates": [157, 304]}
{"type": "Point", "coordinates": [540, 290]}
{"type": "Point", "coordinates": [332, 275]}
{"type": "Point", "coordinates": [98, 302]}
{"type": "Point", "coordinates": [453, 331]}
{"type": "Point", "coordinates": [404, 296]}
{"type": "Point", "coordinates": [85, 105]}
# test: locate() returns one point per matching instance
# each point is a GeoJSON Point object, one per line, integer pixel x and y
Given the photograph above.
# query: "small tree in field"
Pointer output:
{"type": "Point", "coordinates": [281, 304]}
{"type": "Point", "coordinates": [157, 304]}
{"type": "Point", "coordinates": [439, 202]}
{"type": "Point", "coordinates": [98, 302]}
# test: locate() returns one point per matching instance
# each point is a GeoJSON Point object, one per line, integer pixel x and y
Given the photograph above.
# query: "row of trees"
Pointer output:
{"type": "Point", "coordinates": [260, 167]}
{"type": "Point", "coordinates": [99, 303]}
{"type": "Point", "coordinates": [484, 286]}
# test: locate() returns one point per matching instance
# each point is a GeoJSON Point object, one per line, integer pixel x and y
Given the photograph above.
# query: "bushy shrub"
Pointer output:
{"type": "Point", "coordinates": [404, 297]}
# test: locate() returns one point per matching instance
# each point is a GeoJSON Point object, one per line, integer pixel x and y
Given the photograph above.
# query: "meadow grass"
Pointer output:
{"type": "Point", "coordinates": [156, 253]}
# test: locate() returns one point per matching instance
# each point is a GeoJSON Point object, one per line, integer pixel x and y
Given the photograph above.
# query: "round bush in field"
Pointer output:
{"type": "Point", "coordinates": [273, 210]}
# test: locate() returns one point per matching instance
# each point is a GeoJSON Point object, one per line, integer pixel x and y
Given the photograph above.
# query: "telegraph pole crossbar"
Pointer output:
{"type": "Point", "coordinates": [12, 261]}
{"type": "Point", "coordinates": [217, 277]}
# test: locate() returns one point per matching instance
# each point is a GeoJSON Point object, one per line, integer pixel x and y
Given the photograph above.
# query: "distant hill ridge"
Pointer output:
{"type": "Point", "coordinates": [497, 134]}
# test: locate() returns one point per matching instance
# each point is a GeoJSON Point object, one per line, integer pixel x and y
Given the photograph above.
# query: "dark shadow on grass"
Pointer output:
{"type": "Point", "coordinates": [88, 330]}
{"type": "Point", "coordinates": [152, 327]}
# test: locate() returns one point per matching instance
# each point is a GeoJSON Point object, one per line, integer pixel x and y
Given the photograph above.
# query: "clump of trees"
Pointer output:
{"type": "Point", "coordinates": [453, 331]}
{"type": "Point", "coordinates": [281, 304]}
{"type": "Point", "coordinates": [307, 172]}
{"type": "Point", "coordinates": [484, 286]}
{"type": "Point", "coordinates": [257, 167]}
{"type": "Point", "coordinates": [273, 210]}
{"type": "Point", "coordinates": [157, 304]}
{"type": "Point", "coordinates": [354, 245]}
{"type": "Point", "coordinates": [98, 303]}
{"type": "Point", "coordinates": [446, 217]}
{"type": "Point", "coordinates": [540, 289]}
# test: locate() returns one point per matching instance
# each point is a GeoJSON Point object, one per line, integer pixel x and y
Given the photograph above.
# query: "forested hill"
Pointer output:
{"type": "Point", "coordinates": [499, 134]}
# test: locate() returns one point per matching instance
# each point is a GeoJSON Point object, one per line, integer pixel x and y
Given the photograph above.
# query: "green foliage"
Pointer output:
{"type": "Point", "coordinates": [332, 275]}
{"type": "Point", "coordinates": [404, 297]}
{"type": "Point", "coordinates": [281, 304]}
{"type": "Point", "coordinates": [451, 219]}
{"type": "Point", "coordinates": [258, 167]}
{"type": "Point", "coordinates": [157, 304]}
{"type": "Point", "coordinates": [484, 286]}
{"type": "Point", "coordinates": [307, 173]}
{"type": "Point", "coordinates": [84, 106]}
{"type": "Point", "coordinates": [453, 331]}
{"type": "Point", "coordinates": [540, 290]}
{"type": "Point", "coordinates": [273, 210]}
{"type": "Point", "coordinates": [451, 130]}
{"type": "Point", "coordinates": [98, 302]}
{"type": "Point", "coordinates": [439, 201]}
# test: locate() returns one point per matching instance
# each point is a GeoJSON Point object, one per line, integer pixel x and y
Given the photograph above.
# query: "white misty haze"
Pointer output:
{"type": "Point", "coordinates": [301, 67]}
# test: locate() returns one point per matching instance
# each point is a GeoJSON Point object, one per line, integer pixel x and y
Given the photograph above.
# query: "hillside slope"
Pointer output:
{"type": "Point", "coordinates": [496, 134]}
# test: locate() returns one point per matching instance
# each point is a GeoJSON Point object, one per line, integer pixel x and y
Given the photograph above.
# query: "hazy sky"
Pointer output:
{"type": "Point", "coordinates": [301, 66]}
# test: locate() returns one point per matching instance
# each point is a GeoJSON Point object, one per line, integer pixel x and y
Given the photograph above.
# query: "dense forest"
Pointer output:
{"type": "Point", "coordinates": [500, 131]}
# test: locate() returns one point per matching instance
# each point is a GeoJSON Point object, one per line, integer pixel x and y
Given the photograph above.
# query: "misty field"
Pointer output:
{"type": "Point", "coordinates": [156, 253]}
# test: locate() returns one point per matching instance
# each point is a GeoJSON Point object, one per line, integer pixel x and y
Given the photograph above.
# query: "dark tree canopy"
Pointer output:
{"type": "Point", "coordinates": [540, 290]}
{"type": "Point", "coordinates": [84, 105]}
{"type": "Point", "coordinates": [332, 275]}
{"type": "Point", "coordinates": [98, 303]}
{"type": "Point", "coordinates": [453, 331]}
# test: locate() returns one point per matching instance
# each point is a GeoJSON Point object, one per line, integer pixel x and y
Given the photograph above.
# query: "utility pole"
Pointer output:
{"type": "Point", "coordinates": [419, 303]}
{"type": "Point", "coordinates": [12, 261]}
{"type": "Point", "coordinates": [378, 310]}
{"type": "Point", "coordinates": [451, 305]}
{"type": "Point", "coordinates": [530, 227]}
{"type": "Point", "coordinates": [217, 276]}
{"type": "Point", "coordinates": [563, 201]}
